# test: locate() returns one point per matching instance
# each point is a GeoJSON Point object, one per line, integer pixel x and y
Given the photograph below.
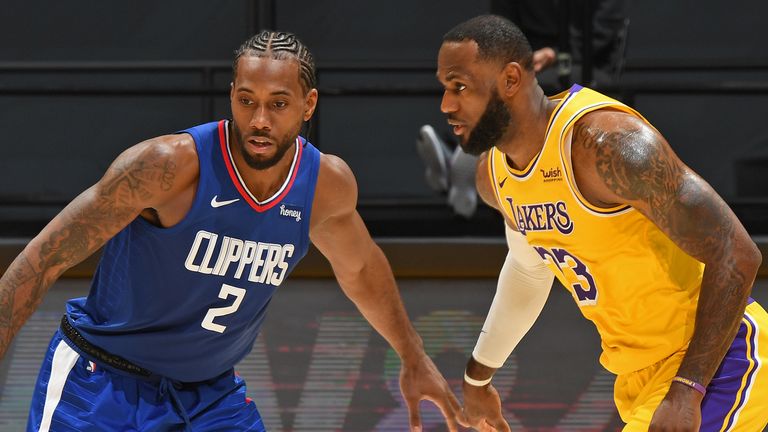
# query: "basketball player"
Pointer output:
{"type": "Point", "coordinates": [594, 195]}
{"type": "Point", "coordinates": [201, 228]}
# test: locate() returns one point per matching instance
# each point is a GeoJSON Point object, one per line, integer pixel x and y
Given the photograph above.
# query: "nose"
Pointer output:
{"type": "Point", "coordinates": [260, 119]}
{"type": "Point", "coordinates": [448, 104]}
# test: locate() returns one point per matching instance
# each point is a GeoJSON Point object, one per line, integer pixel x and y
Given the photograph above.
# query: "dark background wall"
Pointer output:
{"type": "Point", "coordinates": [82, 80]}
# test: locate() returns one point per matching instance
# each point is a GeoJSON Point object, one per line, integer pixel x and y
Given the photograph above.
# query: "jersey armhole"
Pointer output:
{"type": "Point", "coordinates": [202, 174]}
{"type": "Point", "coordinates": [570, 178]}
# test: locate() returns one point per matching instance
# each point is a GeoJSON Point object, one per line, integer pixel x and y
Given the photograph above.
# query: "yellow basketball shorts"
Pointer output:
{"type": "Point", "coordinates": [737, 396]}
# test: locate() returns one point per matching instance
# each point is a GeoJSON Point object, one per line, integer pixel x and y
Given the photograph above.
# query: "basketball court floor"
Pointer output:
{"type": "Point", "coordinates": [318, 366]}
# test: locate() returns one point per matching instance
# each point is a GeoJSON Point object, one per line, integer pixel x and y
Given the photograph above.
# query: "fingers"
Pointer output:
{"type": "Point", "coordinates": [435, 389]}
{"type": "Point", "coordinates": [459, 411]}
{"type": "Point", "coordinates": [414, 417]}
{"type": "Point", "coordinates": [489, 422]}
{"type": "Point", "coordinates": [451, 406]}
{"type": "Point", "coordinates": [451, 413]}
{"type": "Point", "coordinates": [501, 425]}
{"type": "Point", "coordinates": [448, 406]}
{"type": "Point", "coordinates": [495, 426]}
{"type": "Point", "coordinates": [485, 427]}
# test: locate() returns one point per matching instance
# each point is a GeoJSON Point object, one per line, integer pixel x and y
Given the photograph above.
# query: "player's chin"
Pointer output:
{"type": "Point", "coordinates": [463, 137]}
{"type": "Point", "coordinates": [260, 161]}
{"type": "Point", "coordinates": [473, 149]}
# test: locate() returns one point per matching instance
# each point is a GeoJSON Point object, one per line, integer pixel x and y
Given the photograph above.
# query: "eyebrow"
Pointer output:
{"type": "Point", "coordinates": [451, 75]}
{"type": "Point", "coordinates": [274, 93]}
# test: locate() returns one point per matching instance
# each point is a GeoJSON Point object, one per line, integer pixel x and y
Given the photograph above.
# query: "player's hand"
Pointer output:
{"type": "Point", "coordinates": [679, 411]}
{"type": "Point", "coordinates": [482, 408]}
{"type": "Point", "coordinates": [543, 58]}
{"type": "Point", "coordinates": [420, 380]}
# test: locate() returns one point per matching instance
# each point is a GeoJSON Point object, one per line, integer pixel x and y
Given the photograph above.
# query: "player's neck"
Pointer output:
{"type": "Point", "coordinates": [528, 130]}
{"type": "Point", "coordinates": [264, 183]}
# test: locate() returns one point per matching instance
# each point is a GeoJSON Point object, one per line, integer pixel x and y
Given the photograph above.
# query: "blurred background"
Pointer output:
{"type": "Point", "coordinates": [82, 80]}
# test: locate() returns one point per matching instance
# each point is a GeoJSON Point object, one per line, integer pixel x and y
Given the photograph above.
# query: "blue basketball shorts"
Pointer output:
{"type": "Point", "coordinates": [74, 394]}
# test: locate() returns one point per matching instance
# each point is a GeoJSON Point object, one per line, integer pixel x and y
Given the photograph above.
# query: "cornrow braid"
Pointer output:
{"type": "Point", "coordinates": [279, 46]}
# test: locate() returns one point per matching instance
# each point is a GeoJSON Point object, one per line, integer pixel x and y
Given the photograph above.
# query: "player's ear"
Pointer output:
{"type": "Point", "coordinates": [310, 103]}
{"type": "Point", "coordinates": [511, 78]}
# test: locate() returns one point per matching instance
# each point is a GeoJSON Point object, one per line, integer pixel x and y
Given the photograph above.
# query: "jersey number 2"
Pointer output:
{"type": "Point", "coordinates": [226, 291]}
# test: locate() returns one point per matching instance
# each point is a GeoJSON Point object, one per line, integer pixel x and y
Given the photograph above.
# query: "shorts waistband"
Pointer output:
{"type": "Point", "coordinates": [100, 355]}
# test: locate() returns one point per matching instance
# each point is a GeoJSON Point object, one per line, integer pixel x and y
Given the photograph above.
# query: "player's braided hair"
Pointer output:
{"type": "Point", "coordinates": [280, 45]}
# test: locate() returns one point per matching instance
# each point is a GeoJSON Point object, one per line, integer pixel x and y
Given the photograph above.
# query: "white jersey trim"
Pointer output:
{"type": "Point", "coordinates": [530, 170]}
{"type": "Point", "coordinates": [64, 359]}
{"type": "Point", "coordinates": [750, 321]}
{"type": "Point", "coordinates": [286, 183]}
{"type": "Point", "coordinates": [567, 162]}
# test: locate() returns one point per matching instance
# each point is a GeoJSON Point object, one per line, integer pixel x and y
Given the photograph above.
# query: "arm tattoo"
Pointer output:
{"type": "Point", "coordinates": [91, 223]}
{"type": "Point", "coordinates": [137, 180]}
{"type": "Point", "coordinates": [637, 166]}
{"type": "Point", "coordinates": [79, 230]}
{"type": "Point", "coordinates": [19, 273]}
{"type": "Point", "coordinates": [637, 171]}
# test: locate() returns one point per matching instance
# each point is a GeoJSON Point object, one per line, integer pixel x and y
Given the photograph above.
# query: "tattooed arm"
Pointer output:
{"type": "Point", "coordinates": [149, 175]}
{"type": "Point", "coordinates": [620, 159]}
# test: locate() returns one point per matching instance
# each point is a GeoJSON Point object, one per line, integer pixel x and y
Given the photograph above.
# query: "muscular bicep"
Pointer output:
{"type": "Point", "coordinates": [344, 240]}
{"type": "Point", "coordinates": [637, 166]}
{"type": "Point", "coordinates": [141, 177]}
{"type": "Point", "coordinates": [336, 228]}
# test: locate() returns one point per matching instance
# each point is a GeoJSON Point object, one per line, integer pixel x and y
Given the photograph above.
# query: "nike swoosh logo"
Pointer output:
{"type": "Point", "coordinates": [217, 204]}
{"type": "Point", "coordinates": [501, 183]}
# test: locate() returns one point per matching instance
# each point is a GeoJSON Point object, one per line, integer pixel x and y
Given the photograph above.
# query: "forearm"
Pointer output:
{"type": "Point", "coordinates": [373, 290]}
{"type": "Point", "coordinates": [724, 292]}
{"type": "Point", "coordinates": [520, 296]}
{"type": "Point", "coordinates": [521, 292]}
{"type": "Point", "coordinates": [22, 288]}
{"type": "Point", "coordinates": [73, 235]}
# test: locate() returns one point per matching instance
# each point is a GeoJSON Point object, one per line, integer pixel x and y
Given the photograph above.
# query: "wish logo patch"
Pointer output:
{"type": "Point", "coordinates": [554, 174]}
{"type": "Point", "coordinates": [291, 212]}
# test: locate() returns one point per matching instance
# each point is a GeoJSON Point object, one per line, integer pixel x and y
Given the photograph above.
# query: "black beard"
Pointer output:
{"type": "Point", "coordinates": [255, 162]}
{"type": "Point", "coordinates": [490, 128]}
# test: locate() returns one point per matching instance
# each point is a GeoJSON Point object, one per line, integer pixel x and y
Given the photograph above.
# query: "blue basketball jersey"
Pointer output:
{"type": "Point", "coordinates": [187, 301]}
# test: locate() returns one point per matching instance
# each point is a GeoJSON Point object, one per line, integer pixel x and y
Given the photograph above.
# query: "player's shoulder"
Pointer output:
{"type": "Point", "coordinates": [336, 189]}
{"type": "Point", "coordinates": [178, 149]}
{"type": "Point", "coordinates": [607, 126]}
{"type": "Point", "coordinates": [172, 157]}
{"type": "Point", "coordinates": [180, 145]}
{"type": "Point", "coordinates": [609, 148]}
{"type": "Point", "coordinates": [334, 173]}
{"type": "Point", "coordinates": [618, 133]}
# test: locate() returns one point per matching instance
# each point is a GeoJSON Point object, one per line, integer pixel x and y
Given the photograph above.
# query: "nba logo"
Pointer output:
{"type": "Point", "coordinates": [91, 367]}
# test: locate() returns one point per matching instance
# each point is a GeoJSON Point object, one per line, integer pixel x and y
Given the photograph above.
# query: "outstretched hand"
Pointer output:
{"type": "Point", "coordinates": [420, 380]}
{"type": "Point", "coordinates": [482, 408]}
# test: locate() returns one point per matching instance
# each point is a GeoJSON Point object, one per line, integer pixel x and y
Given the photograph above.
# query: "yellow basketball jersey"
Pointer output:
{"type": "Point", "coordinates": [628, 278]}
